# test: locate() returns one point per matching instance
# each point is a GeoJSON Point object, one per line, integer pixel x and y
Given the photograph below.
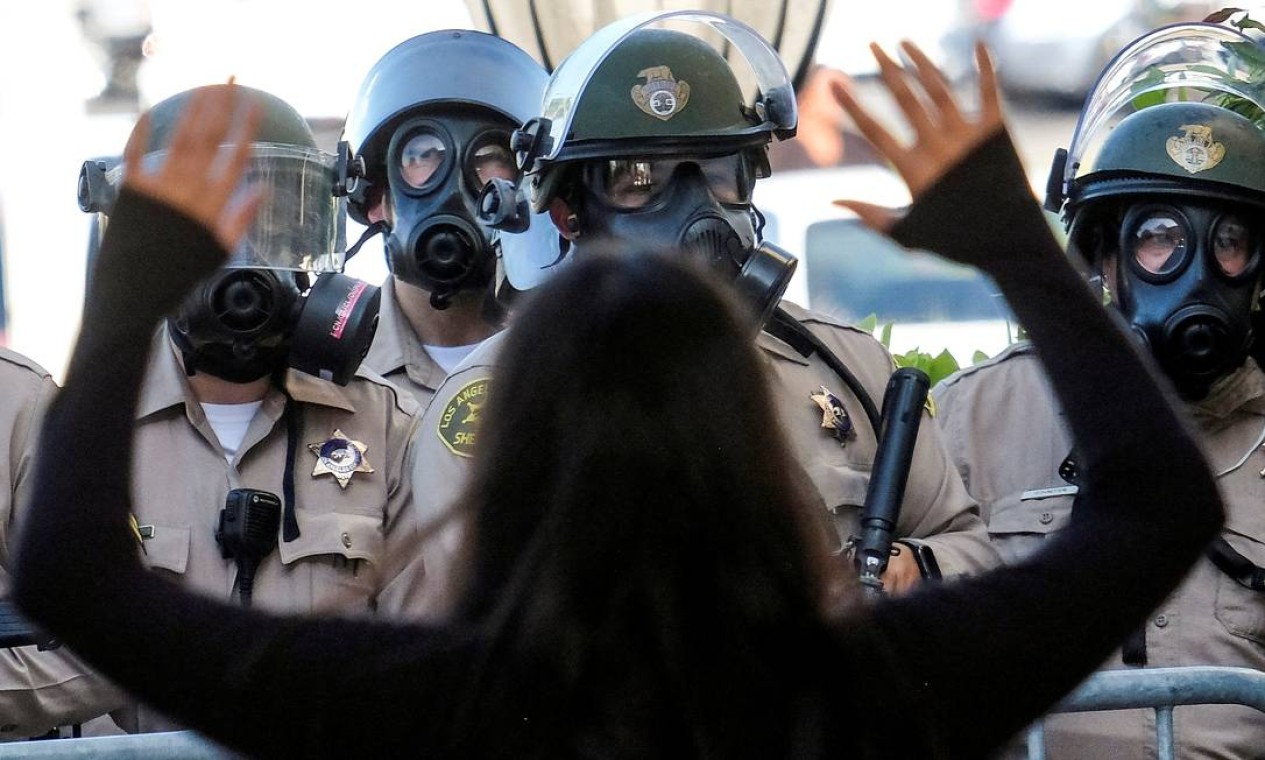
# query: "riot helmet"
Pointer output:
{"type": "Point", "coordinates": [1162, 193]}
{"type": "Point", "coordinates": [647, 133]}
{"type": "Point", "coordinates": [280, 299]}
{"type": "Point", "coordinates": [430, 127]}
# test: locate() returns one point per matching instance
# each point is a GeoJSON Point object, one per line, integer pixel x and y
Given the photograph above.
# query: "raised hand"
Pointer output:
{"type": "Point", "coordinates": [196, 178]}
{"type": "Point", "coordinates": [943, 135]}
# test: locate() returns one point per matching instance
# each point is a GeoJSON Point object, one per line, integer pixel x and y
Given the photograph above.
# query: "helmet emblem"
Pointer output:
{"type": "Point", "coordinates": [661, 96]}
{"type": "Point", "coordinates": [1195, 151]}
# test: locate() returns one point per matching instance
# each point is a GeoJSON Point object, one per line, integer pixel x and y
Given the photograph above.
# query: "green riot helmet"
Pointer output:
{"type": "Point", "coordinates": [1204, 77]}
{"type": "Point", "coordinates": [1162, 191]}
{"type": "Point", "coordinates": [651, 135]}
{"type": "Point", "coordinates": [281, 298]}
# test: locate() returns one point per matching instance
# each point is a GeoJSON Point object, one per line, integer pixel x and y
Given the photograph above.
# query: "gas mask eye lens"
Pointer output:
{"type": "Point", "coordinates": [633, 183]}
{"type": "Point", "coordinates": [492, 160]}
{"type": "Point", "coordinates": [727, 178]}
{"type": "Point", "coordinates": [1232, 245]}
{"type": "Point", "coordinates": [421, 158]}
{"type": "Point", "coordinates": [1158, 243]}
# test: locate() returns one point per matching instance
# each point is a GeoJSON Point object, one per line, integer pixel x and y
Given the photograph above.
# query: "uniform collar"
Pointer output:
{"type": "Point", "coordinates": [776, 346]}
{"type": "Point", "coordinates": [165, 384]}
{"type": "Point", "coordinates": [397, 346]}
{"type": "Point", "coordinates": [1241, 390]}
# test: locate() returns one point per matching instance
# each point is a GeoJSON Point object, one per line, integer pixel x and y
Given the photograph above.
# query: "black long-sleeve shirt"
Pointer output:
{"type": "Point", "coordinates": [952, 669]}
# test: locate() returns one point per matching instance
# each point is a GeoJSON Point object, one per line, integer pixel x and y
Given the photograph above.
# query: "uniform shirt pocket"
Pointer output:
{"type": "Point", "coordinates": [1017, 525]}
{"type": "Point", "coordinates": [167, 548]}
{"type": "Point", "coordinates": [844, 497]}
{"type": "Point", "coordinates": [340, 555]}
{"type": "Point", "coordinates": [1242, 610]}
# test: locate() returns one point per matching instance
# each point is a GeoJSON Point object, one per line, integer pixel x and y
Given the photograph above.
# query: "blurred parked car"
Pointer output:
{"type": "Point", "coordinates": [1059, 48]}
{"type": "Point", "coordinates": [942, 28]}
{"type": "Point", "coordinates": [848, 271]}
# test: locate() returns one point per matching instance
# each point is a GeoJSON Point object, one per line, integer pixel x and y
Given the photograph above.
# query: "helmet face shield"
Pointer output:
{"type": "Point", "coordinates": [1181, 63]}
{"type": "Point", "coordinates": [295, 227]}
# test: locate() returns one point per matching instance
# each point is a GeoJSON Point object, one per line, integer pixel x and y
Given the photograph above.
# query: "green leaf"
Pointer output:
{"type": "Point", "coordinates": [1248, 51]}
{"type": "Point", "coordinates": [886, 336]}
{"type": "Point", "coordinates": [978, 356]}
{"type": "Point", "coordinates": [1148, 99]}
{"type": "Point", "coordinates": [1250, 23]}
{"type": "Point", "coordinates": [942, 366]}
{"type": "Point", "coordinates": [1216, 17]}
{"type": "Point", "coordinates": [869, 323]}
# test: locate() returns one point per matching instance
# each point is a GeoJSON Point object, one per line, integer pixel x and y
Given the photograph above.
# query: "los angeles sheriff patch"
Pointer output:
{"type": "Point", "coordinates": [458, 424]}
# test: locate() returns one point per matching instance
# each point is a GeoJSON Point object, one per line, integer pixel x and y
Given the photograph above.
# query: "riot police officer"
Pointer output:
{"type": "Point", "coordinates": [1162, 194]}
{"type": "Point", "coordinates": [40, 688]}
{"type": "Point", "coordinates": [270, 468]}
{"type": "Point", "coordinates": [645, 138]}
{"type": "Point", "coordinates": [429, 129]}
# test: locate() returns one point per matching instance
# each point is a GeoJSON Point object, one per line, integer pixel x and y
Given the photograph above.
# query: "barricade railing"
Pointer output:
{"type": "Point", "coordinates": [1160, 689]}
{"type": "Point", "coordinates": [186, 745]}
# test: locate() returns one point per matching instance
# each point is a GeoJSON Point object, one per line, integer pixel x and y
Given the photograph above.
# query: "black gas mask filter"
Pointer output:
{"type": "Point", "coordinates": [1187, 281]}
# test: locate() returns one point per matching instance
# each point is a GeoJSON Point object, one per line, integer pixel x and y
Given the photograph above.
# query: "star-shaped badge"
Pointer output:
{"type": "Point", "coordinates": [339, 456]}
{"type": "Point", "coordinates": [834, 417]}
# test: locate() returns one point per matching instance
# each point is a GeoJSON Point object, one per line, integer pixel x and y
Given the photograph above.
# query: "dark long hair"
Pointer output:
{"type": "Point", "coordinates": [640, 547]}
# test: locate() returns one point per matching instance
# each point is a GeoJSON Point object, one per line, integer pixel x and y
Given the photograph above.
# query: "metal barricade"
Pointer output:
{"type": "Point", "coordinates": [1161, 689]}
{"type": "Point", "coordinates": [186, 745]}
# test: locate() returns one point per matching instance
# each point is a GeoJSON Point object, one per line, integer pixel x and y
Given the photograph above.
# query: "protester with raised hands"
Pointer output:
{"type": "Point", "coordinates": [573, 640]}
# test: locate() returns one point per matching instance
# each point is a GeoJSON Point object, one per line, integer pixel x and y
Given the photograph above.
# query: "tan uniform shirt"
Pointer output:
{"type": "Point", "coordinates": [937, 510]}
{"type": "Point", "coordinates": [357, 541]}
{"type": "Point", "coordinates": [38, 690]}
{"type": "Point", "coordinates": [1008, 439]}
{"type": "Point", "coordinates": [397, 353]}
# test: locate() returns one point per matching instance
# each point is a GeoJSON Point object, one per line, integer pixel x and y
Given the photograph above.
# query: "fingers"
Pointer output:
{"type": "Point", "coordinates": [895, 77]}
{"type": "Point", "coordinates": [237, 217]}
{"type": "Point", "coordinates": [878, 218]}
{"type": "Point", "coordinates": [239, 157]}
{"type": "Point", "coordinates": [989, 93]}
{"type": "Point", "coordinates": [935, 85]}
{"type": "Point", "coordinates": [870, 129]}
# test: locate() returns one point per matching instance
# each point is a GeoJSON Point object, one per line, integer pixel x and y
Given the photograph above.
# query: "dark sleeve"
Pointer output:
{"type": "Point", "coordinates": [271, 686]}
{"type": "Point", "coordinates": [994, 652]}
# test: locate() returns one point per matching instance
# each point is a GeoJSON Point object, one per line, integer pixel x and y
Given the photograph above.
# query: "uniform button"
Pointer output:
{"type": "Point", "coordinates": [346, 541]}
{"type": "Point", "coordinates": [1161, 621]}
{"type": "Point", "coordinates": [1047, 518]}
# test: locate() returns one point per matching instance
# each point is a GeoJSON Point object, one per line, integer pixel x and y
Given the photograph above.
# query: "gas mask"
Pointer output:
{"type": "Point", "coordinates": [246, 323]}
{"type": "Point", "coordinates": [436, 168]}
{"type": "Point", "coordinates": [280, 300]}
{"type": "Point", "coordinates": [1187, 276]}
{"type": "Point", "coordinates": [698, 205]}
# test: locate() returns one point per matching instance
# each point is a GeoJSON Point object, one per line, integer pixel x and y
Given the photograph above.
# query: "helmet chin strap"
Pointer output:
{"type": "Point", "coordinates": [379, 227]}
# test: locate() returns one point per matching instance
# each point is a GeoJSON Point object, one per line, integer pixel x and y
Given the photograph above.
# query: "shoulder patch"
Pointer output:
{"type": "Point", "coordinates": [1022, 348]}
{"type": "Point", "coordinates": [458, 425]}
